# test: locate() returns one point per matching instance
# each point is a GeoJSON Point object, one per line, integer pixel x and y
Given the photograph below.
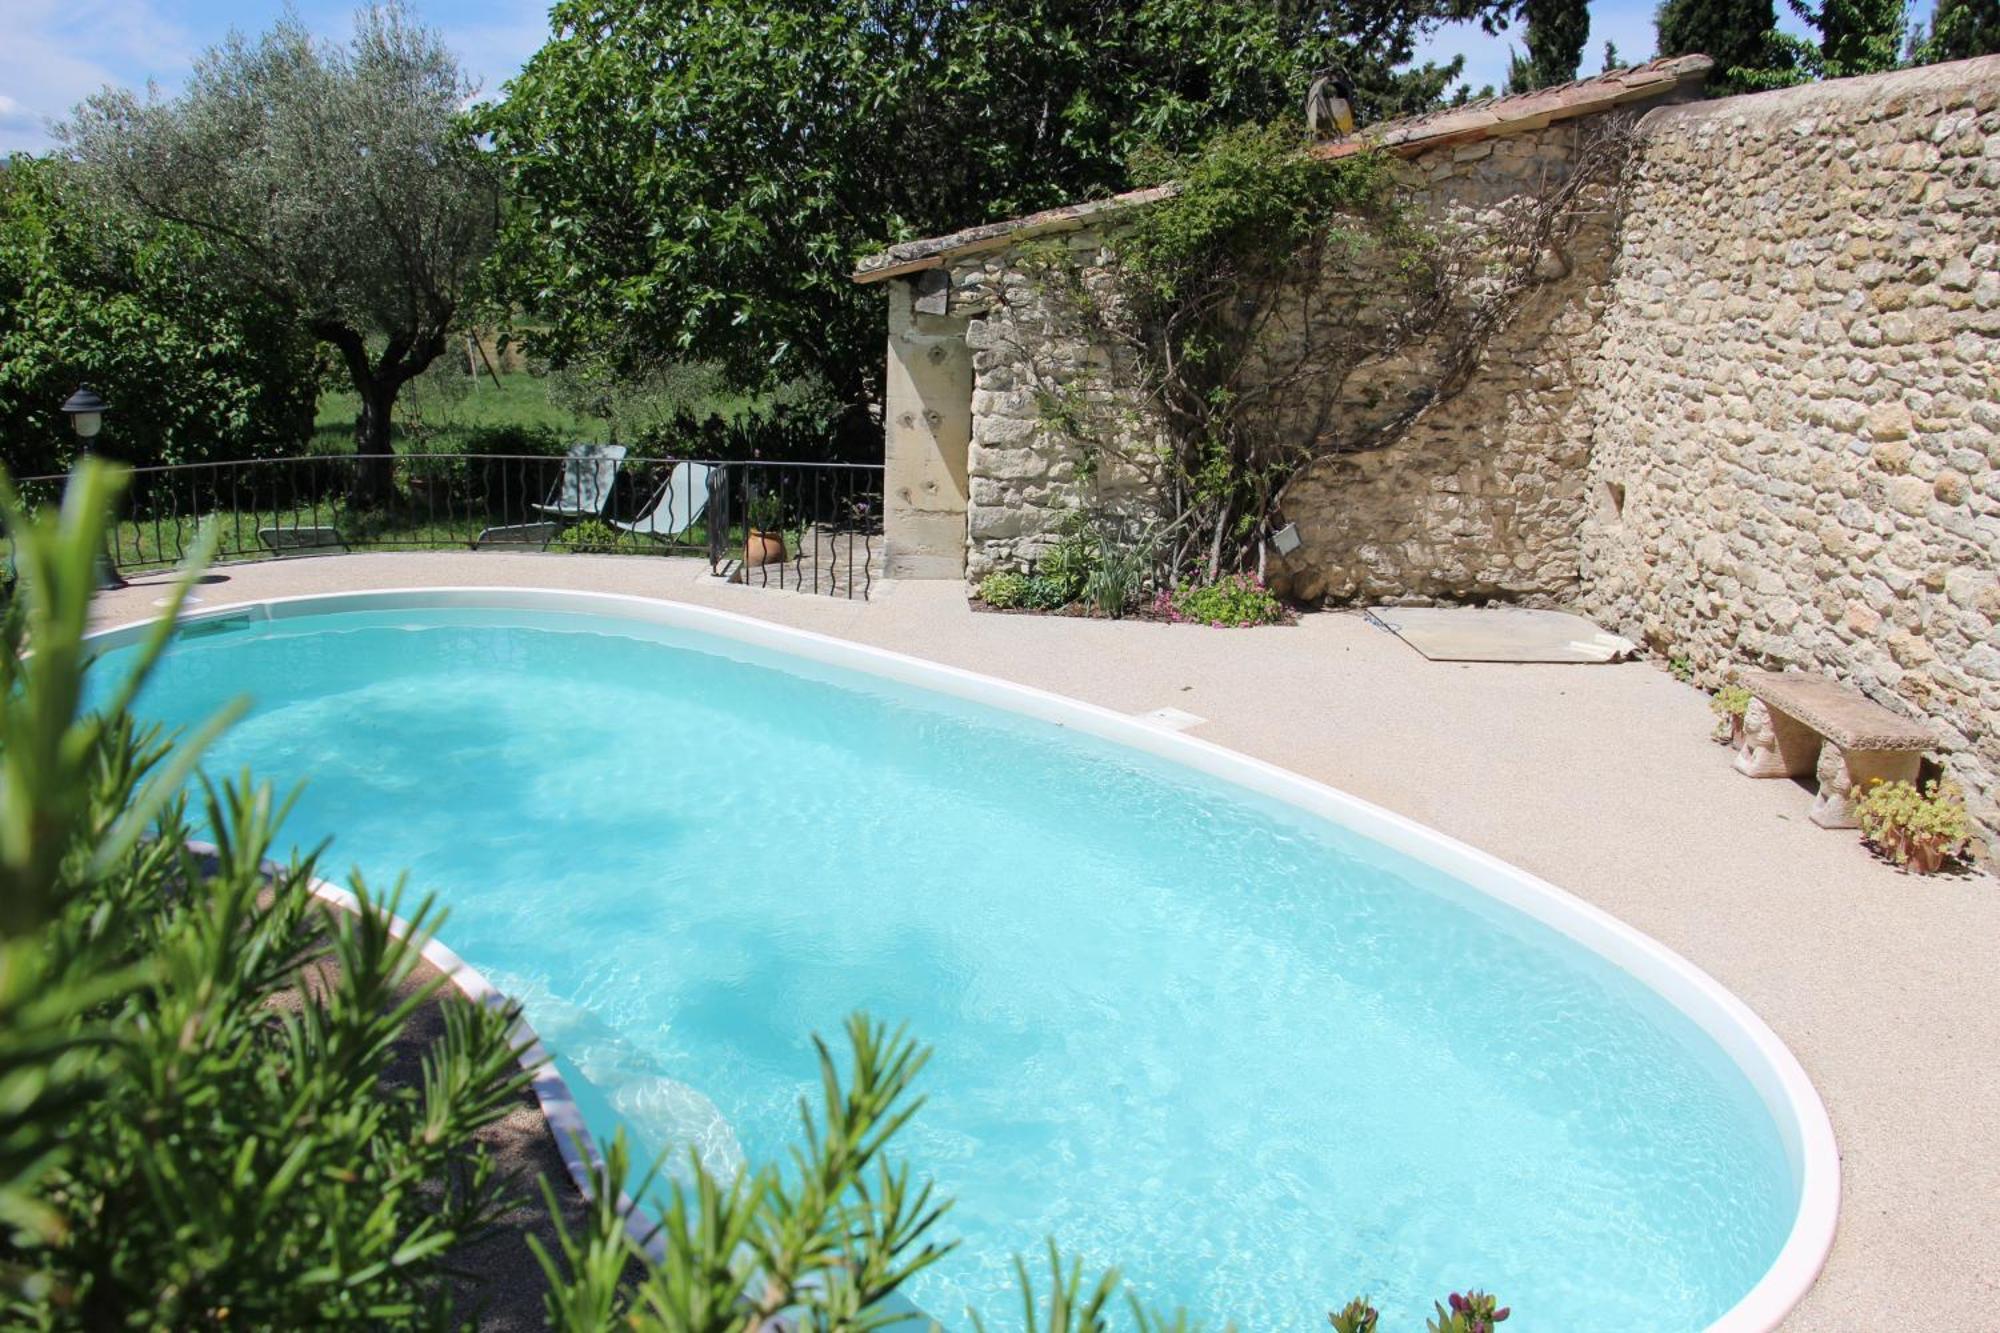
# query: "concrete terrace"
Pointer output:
{"type": "Point", "coordinates": [1601, 779]}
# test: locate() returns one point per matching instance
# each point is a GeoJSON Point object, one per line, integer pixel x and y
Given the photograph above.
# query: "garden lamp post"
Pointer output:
{"type": "Point", "coordinates": [86, 417]}
{"type": "Point", "coordinates": [86, 413]}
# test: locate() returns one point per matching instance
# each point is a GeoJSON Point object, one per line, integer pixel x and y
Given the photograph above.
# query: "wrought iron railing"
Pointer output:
{"type": "Point", "coordinates": [812, 527]}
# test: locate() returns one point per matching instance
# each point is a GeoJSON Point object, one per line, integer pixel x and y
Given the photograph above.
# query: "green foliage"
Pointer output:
{"type": "Point", "coordinates": [340, 182]}
{"type": "Point", "coordinates": [1065, 568]}
{"type": "Point", "coordinates": [1959, 30]}
{"type": "Point", "coordinates": [1357, 1316]}
{"type": "Point", "coordinates": [1730, 701]}
{"type": "Point", "coordinates": [183, 1142]}
{"type": "Point", "coordinates": [704, 175]}
{"type": "Point", "coordinates": [1729, 704]}
{"type": "Point", "coordinates": [1004, 590]}
{"type": "Point", "coordinates": [1557, 30]}
{"type": "Point", "coordinates": [1737, 34]}
{"type": "Point", "coordinates": [767, 512]}
{"type": "Point", "coordinates": [195, 372]}
{"type": "Point", "coordinates": [1472, 1312]}
{"type": "Point", "coordinates": [1250, 219]}
{"type": "Point", "coordinates": [1920, 829]}
{"type": "Point", "coordinates": [827, 1243]}
{"type": "Point", "coordinates": [1046, 592]}
{"type": "Point", "coordinates": [1245, 202]}
{"type": "Point", "coordinates": [1232, 600]}
{"type": "Point", "coordinates": [591, 536]}
{"type": "Point", "coordinates": [1681, 669]}
{"type": "Point", "coordinates": [1855, 36]}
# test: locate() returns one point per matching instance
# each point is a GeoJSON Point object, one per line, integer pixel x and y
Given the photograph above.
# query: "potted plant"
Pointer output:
{"type": "Point", "coordinates": [1730, 703]}
{"type": "Point", "coordinates": [1918, 830]}
{"type": "Point", "coordinates": [764, 543]}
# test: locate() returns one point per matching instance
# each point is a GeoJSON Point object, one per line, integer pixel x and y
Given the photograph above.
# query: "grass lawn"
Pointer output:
{"type": "Point", "coordinates": [452, 419]}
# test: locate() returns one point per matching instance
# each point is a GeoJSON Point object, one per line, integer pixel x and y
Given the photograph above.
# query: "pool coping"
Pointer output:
{"type": "Point", "coordinates": [1765, 1061]}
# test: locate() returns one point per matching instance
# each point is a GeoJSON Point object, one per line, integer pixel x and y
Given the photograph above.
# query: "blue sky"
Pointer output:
{"type": "Point", "coordinates": [53, 53]}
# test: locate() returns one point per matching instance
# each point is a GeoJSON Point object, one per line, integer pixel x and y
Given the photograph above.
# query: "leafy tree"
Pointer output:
{"type": "Point", "coordinates": [1855, 36]}
{"type": "Point", "coordinates": [1959, 30]}
{"type": "Point", "coordinates": [701, 177]}
{"type": "Point", "coordinates": [340, 183]}
{"type": "Point", "coordinates": [195, 372]}
{"type": "Point", "coordinates": [198, 1127]}
{"type": "Point", "coordinates": [1556, 32]}
{"type": "Point", "coordinates": [1738, 34]}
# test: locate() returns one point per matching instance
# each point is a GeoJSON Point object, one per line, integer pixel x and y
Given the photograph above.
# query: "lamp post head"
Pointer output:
{"type": "Point", "coordinates": [86, 411]}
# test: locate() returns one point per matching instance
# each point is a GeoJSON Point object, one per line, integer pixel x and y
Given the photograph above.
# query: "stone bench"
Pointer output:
{"type": "Point", "coordinates": [1798, 724]}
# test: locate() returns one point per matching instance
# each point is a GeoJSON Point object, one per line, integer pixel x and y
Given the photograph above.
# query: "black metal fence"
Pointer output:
{"type": "Point", "coordinates": [814, 527]}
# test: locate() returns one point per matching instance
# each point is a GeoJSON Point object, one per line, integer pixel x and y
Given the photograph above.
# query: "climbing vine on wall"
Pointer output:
{"type": "Point", "coordinates": [1242, 304]}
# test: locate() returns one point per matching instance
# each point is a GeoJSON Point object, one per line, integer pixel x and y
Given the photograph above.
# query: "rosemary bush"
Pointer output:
{"type": "Point", "coordinates": [198, 1122]}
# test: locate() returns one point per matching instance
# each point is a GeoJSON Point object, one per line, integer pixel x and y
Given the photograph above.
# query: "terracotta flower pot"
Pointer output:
{"type": "Point", "coordinates": [1926, 858]}
{"type": "Point", "coordinates": [763, 548]}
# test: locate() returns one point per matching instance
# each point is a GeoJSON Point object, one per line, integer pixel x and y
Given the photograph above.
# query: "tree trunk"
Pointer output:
{"type": "Point", "coordinates": [374, 454]}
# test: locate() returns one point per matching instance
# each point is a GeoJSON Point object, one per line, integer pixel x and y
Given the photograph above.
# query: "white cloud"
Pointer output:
{"type": "Point", "coordinates": [44, 70]}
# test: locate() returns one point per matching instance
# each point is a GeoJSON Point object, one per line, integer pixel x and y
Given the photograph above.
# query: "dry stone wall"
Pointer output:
{"type": "Point", "coordinates": [1794, 415]}
{"type": "Point", "coordinates": [1479, 494]}
{"type": "Point", "coordinates": [1748, 413]}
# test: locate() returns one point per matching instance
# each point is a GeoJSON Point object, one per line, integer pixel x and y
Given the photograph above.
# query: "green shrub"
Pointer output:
{"type": "Point", "coordinates": [1234, 600]}
{"type": "Point", "coordinates": [1917, 829]}
{"type": "Point", "coordinates": [194, 371]}
{"type": "Point", "coordinates": [1068, 563]}
{"type": "Point", "coordinates": [183, 1144]}
{"type": "Point", "coordinates": [1117, 578]}
{"type": "Point", "coordinates": [593, 536]}
{"type": "Point", "coordinates": [1004, 591]}
{"type": "Point", "coordinates": [1049, 593]}
{"type": "Point", "coordinates": [1730, 701]}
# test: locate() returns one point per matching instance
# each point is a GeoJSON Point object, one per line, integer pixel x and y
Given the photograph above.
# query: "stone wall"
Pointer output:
{"type": "Point", "coordinates": [1479, 494]}
{"type": "Point", "coordinates": [1749, 414]}
{"type": "Point", "coordinates": [1794, 415]}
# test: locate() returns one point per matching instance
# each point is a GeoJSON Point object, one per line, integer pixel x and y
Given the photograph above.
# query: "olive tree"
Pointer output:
{"type": "Point", "coordinates": [340, 182]}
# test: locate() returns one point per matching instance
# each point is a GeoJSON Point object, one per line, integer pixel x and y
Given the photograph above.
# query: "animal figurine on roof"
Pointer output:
{"type": "Point", "coordinates": [1330, 105]}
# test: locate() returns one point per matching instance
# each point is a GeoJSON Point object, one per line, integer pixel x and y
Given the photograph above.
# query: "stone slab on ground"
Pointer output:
{"type": "Point", "coordinates": [1500, 634]}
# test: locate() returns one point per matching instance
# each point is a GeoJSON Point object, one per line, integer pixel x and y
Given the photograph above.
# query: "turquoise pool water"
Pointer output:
{"type": "Point", "coordinates": [1259, 1062]}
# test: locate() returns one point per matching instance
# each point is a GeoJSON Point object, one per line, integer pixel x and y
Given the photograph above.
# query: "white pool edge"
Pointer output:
{"type": "Point", "coordinates": [1769, 1065]}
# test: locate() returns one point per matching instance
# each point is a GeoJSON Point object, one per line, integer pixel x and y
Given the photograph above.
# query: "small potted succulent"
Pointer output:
{"type": "Point", "coordinates": [1729, 705]}
{"type": "Point", "coordinates": [764, 543]}
{"type": "Point", "coordinates": [1918, 830]}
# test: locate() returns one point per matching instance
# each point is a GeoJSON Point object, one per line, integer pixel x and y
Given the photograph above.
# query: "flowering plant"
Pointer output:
{"type": "Point", "coordinates": [1234, 600]}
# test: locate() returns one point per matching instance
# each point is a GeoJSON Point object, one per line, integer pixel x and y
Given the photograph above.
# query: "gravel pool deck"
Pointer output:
{"type": "Point", "coordinates": [1601, 779]}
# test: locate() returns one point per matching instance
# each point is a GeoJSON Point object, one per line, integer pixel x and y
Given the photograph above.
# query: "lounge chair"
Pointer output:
{"type": "Point", "coordinates": [677, 506]}
{"type": "Point", "coordinates": [302, 541]}
{"type": "Point", "coordinates": [586, 485]}
{"type": "Point", "coordinates": [538, 535]}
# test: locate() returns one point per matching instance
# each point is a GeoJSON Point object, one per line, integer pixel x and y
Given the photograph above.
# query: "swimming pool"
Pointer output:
{"type": "Point", "coordinates": [1260, 1045]}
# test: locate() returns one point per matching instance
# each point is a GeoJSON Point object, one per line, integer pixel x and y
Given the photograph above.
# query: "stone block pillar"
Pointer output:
{"type": "Point", "coordinates": [926, 432]}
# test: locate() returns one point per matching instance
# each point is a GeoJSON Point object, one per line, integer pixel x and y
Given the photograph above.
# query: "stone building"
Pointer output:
{"type": "Point", "coordinates": [1747, 410]}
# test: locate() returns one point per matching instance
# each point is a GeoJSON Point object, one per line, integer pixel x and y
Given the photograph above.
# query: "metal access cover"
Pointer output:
{"type": "Point", "coordinates": [1500, 634]}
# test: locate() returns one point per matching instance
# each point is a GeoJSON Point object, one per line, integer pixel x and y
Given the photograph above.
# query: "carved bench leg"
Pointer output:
{"type": "Point", "coordinates": [1775, 746]}
{"type": "Point", "coordinates": [1845, 774]}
